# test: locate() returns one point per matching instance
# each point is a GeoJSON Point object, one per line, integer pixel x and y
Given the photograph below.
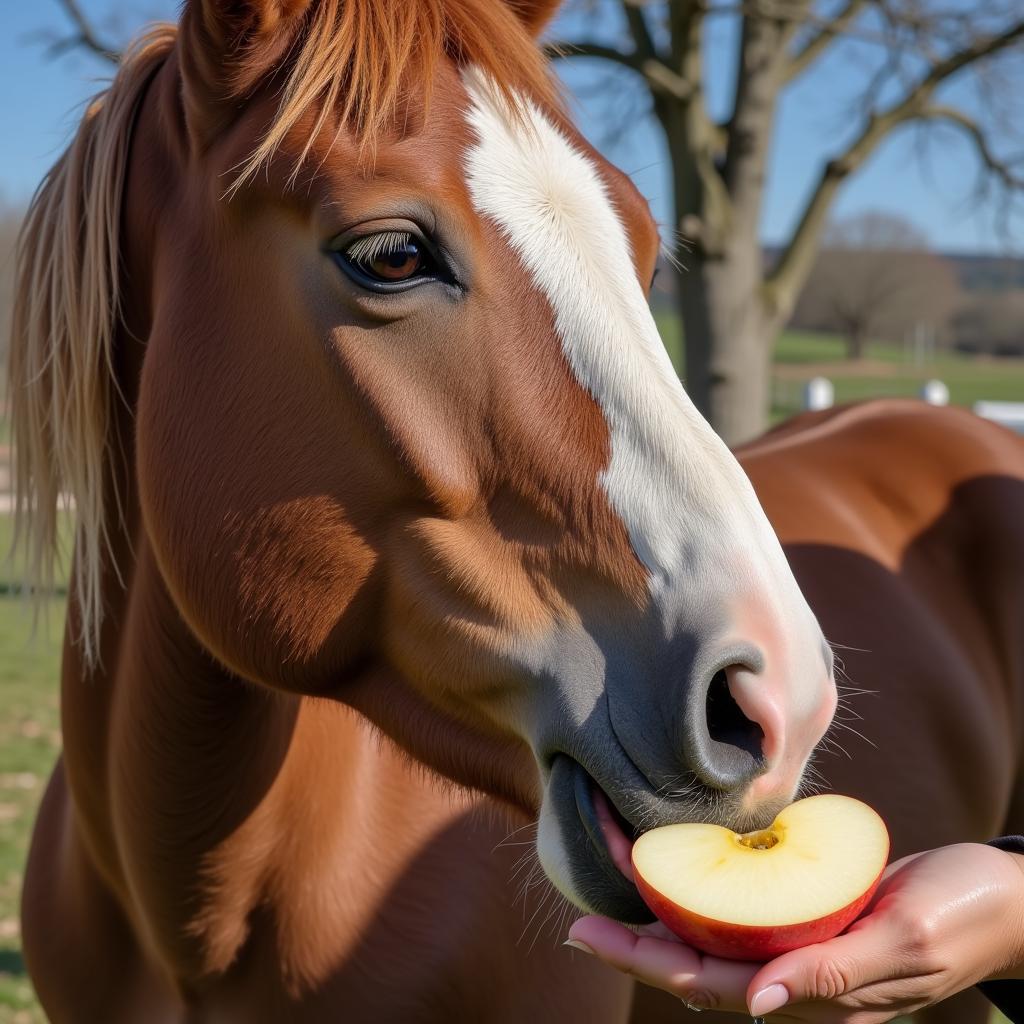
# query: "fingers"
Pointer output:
{"type": "Point", "coordinates": [826, 971]}
{"type": "Point", "coordinates": [703, 981]}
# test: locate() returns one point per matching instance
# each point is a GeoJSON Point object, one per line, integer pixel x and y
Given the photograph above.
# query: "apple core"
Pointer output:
{"type": "Point", "coordinates": [763, 840]}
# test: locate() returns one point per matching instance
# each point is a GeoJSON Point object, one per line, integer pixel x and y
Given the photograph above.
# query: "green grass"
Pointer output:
{"type": "Point", "coordinates": [885, 372]}
{"type": "Point", "coordinates": [29, 744]}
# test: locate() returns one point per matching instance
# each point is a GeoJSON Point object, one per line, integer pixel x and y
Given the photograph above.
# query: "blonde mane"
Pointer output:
{"type": "Point", "coordinates": [359, 57]}
{"type": "Point", "coordinates": [61, 379]}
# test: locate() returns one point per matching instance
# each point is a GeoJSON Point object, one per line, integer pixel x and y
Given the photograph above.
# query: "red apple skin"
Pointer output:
{"type": "Point", "coordinates": [746, 942]}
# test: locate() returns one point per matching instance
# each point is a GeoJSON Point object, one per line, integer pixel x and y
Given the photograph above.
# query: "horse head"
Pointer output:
{"type": "Point", "coordinates": [405, 435]}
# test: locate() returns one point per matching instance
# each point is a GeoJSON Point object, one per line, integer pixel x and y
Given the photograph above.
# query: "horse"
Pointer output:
{"type": "Point", "coordinates": [399, 546]}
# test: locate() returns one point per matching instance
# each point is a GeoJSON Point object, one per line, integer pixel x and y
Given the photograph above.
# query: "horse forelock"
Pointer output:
{"type": "Point", "coordinates": [355, 62]}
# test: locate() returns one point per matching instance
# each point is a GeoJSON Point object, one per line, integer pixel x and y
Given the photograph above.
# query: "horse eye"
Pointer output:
{"type": "Point", "coordinates": [389, 256]}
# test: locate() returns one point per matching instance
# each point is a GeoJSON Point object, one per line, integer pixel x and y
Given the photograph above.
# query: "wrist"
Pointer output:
{"type": "Point", "coordinates": [1014, 918]}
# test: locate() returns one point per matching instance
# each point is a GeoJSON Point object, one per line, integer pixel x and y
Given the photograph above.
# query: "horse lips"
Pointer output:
{"type": "Point", "coordinates": [755, 896]}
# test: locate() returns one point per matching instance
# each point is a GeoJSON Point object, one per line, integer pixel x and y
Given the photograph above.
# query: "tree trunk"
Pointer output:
{"type": "Point", "coordinates": [728, 336]}
{"type": "Point", "coordinates": [856, 339]}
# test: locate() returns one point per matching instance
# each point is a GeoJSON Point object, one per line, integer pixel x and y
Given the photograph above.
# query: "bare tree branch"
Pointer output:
{"type": "Point", "coordinates": [825, 35]}
{"type": "Point", "coordinates": [1011, 177]}
{"type": "Point", "coordinates": [783, 283]}
{"type": "Point", "coordinates": [633, 10]}
{"type": "Point", "coordinates": [731, 309]}
{"type": "Point", "coordinates": [981, 47]}
{"type": "Point", "coordinates": [661, 79]}
{"type": "Point", "coordinates": [84, 36]}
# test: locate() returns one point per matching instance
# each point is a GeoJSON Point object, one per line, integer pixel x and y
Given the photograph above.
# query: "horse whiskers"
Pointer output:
{"type": "Point", "coordinates": [535, 878]}
{"type": "Point", "coordinates": [832, 746]}
{"type": "Point", "coordinates": [813, 781]}
{"type": "Point", "coordinates": [557, 899]}
{"type": "Point", "coordinates": [855, 691]}
{"type": "Point", "coordinates": [835, 645]}
{"type": "Point", "coordinates": [850, 716]}
{"type": "Point", "coordinates": [849, 728]}
{"type": "Point", "coordinates": [542, 903]}
{"type": "Point", "coordinates": [515, 832]}
{"type": "Point", "coordinates": [525, 859]}
{"type": "Point", "coordinates": [672, 781]}
{"type": "Point", "coordinates": [568, 910]}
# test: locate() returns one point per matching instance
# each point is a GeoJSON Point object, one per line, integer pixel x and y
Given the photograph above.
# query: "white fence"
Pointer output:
{"type": "Point", "coordinates": [820, 394]}
{"type": "Point", "coordinates": [1010, 414]}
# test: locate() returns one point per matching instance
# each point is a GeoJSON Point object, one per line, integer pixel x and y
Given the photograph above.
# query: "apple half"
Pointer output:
{"type": "Point", "coordinates": [759, 894]}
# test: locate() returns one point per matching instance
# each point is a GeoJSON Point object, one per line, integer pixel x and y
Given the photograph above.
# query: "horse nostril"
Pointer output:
{"type": "Point", "coordinates": [729, 746]}
{"type": "Point", "coordinates": [726, 722]}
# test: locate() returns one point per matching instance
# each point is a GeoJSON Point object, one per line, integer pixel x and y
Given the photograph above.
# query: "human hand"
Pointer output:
{"type": "Point", "coordinates": [939, 922]}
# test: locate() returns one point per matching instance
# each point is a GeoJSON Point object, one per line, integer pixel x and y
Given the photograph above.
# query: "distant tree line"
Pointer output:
{"type": "Point", "coordinates": [877, 278]}
{"type": "Point", "coordinates": [990, 323]}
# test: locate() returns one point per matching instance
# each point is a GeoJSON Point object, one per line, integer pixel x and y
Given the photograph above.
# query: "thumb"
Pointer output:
{"type": "Point", "coordinates": [826, 970]}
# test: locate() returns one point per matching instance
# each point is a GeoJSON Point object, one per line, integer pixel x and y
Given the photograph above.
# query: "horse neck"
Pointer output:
{"type": "Point", "coordinates": [190, 785]}
{"type": "Point", "coordinates": [197, 792]}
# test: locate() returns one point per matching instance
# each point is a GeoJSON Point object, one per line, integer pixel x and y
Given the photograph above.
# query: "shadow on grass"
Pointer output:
{"type": "Point", "coordinates": [15, 590]}
{"type": "Point", "coordinates": [11, 962]}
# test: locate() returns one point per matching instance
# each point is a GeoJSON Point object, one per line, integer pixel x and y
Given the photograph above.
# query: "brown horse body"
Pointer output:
{"type": "Point", "coordinates": [466, 514]}
{"type": "Point", "coordinates": [351, 883]}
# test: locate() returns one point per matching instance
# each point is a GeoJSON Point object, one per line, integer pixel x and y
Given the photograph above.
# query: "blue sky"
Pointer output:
{"type": "Point", "coordinates": [42, 100]}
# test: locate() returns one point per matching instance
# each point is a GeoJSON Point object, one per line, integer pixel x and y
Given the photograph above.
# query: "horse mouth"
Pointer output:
{"type": "Point", "coordinates": [614, 830]}
{"type": "Point", "coordinates": [603, 847]}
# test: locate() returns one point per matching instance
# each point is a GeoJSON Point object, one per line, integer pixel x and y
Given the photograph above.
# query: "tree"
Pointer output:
{"type": "Point", "coordinates": [731, 308]}
{"type": "Point", "coordinates": [992, 323]}
{"type": "Point", "coordinates": [875, 277]}
{"type": "Point", "coordinates": [83, 35]}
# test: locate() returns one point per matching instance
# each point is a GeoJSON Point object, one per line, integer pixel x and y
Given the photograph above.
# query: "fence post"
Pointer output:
{"type": "Point", "coordinates": [935, 392]}
{"type": "Point", "coordinates": [819, 394]}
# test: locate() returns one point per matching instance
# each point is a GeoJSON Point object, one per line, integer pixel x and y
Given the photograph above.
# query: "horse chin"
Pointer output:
{"type": "Point", "coordinates": [579, 856]}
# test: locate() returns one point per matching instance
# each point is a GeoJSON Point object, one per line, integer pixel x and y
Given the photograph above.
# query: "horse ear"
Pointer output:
{"type": "Point", "coordinates": [535, 14]}
{"type": "Point", "coordinates": [226, 47]}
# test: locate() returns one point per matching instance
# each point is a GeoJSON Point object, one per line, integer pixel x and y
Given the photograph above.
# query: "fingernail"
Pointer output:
{"type": "Point", "coordinates": [768, 1000]}
{"type": "Point", "coordinates": [581, 946]}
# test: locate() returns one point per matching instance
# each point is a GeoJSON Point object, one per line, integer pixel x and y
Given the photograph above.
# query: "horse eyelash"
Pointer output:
{"type": "Point", "coordinates": [370, 247]}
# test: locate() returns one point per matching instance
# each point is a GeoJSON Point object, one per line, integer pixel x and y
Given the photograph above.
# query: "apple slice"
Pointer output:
{"type": "Point", "coordinates": [754, 896]}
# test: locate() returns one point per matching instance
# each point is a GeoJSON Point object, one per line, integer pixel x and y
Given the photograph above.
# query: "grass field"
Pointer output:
{"type": "Point", "coordinates": [29, 720]}
{"type": "Point", "coordinates": [886, 371]}
{"type": "Point", "coordinates": [29, 744]}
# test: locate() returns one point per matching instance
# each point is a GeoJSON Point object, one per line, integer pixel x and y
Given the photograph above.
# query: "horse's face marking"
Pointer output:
{"type": "Point", "coordinates": [483, 510]}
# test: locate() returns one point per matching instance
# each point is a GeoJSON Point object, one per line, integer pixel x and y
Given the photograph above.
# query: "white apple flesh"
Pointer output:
{"type": "Point", "coordinates": [757, 895]}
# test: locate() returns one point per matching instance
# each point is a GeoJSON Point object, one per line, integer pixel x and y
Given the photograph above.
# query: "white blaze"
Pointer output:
{"type": "Point", "coordinates": [692, 516]}
{"type": "Point", "coordinates": [552, 206]}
